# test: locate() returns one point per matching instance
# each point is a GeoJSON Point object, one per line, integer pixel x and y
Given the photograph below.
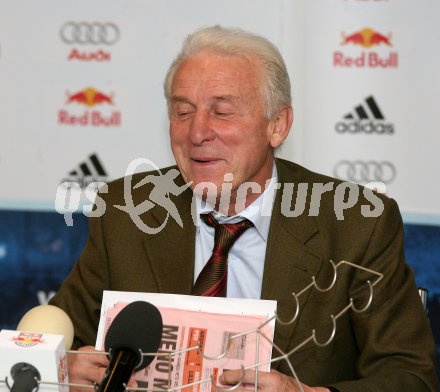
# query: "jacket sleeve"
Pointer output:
{"type": "Point", "coordinates": [80, 295]}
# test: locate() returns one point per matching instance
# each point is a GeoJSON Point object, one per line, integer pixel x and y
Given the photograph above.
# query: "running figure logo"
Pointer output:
{"type": "Point", "coordinates": [163, 186]}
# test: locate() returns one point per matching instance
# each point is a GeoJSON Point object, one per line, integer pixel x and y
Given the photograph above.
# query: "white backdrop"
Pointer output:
{"type": "Point", "coordinates": [386, 52]}
{"type": "Point", "coordinates": [40, 72]}
{"type": "Point", "coordinates": [48, 75]}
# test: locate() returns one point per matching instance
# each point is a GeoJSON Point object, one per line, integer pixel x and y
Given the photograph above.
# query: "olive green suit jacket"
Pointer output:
{"type": "Point", "coordinates": [388, 347]}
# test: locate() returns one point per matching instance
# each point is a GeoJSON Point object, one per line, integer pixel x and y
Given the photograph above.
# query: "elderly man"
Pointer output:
{"type": "Point", "coordinates": [228, 95]}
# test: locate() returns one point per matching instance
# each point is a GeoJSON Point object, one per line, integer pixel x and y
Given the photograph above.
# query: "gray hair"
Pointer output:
{"type": "Point", "coordinates": [236, 42]}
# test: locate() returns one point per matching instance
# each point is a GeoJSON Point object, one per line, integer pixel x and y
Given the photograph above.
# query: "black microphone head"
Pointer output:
{"type": "Point", "coordinates": [136, 327]}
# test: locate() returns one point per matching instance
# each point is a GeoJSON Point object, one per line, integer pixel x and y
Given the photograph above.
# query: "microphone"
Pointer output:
{"type": "Point", "coordinates": [137, 329]}
{"type": "Point", "coordinates": [48, 319]}
{"type": "Point", "coordinates": [25, 377]}
{"type": "Point", "coordinates": [42, 337]}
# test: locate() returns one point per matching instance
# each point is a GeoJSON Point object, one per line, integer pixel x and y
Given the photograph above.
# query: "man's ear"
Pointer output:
{"type": "Point", "coordinates": [280, 126]}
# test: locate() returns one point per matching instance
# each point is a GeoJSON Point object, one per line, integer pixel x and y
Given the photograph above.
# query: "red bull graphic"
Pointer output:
{"type": "Point", "coordinates": [62, 369]}
{"type": "Point", "coordinates": [366, 38]}
{"type": "Point", "coordinates": [90, 98]}
{"type": "Point", "coordinates": [28, 339]}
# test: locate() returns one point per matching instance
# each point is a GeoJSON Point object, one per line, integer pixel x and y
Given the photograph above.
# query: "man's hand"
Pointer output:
{"type": "Point", "coordinates": [268, 382]}
{"type": "Point", "coordinates": [88, 369]}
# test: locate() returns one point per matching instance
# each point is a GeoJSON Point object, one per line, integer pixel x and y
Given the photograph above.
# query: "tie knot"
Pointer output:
{"type": "Point", "coordinates": [226, 233]}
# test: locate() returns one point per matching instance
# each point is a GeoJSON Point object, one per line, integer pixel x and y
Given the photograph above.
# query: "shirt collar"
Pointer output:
{"type": "Point", "coordinates": [258, 212]}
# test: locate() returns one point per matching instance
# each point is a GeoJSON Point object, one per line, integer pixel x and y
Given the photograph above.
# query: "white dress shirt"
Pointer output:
{"type": "Point", "coordinates": [246, 257]}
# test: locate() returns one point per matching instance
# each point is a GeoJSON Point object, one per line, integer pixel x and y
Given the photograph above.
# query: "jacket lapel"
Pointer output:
{"type": "Point", "coordinates": [289, 264]}
{"type": "Point", "coordinates": [170, 252]}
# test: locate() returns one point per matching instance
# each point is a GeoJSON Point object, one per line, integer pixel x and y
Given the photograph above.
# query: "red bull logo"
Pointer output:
{"type": "Point", "coordinates": [366, 38]}
{"type": "Point", "coordinates": [28, 339]}
{"type": "Point", "coordinates": [89, 97]}
{"type": "Point", "coordinates": [62, 369]}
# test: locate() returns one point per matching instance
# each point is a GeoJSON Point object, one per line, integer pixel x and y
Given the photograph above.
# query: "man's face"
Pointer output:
{"type": "Point", "coordinates": [217, 121]}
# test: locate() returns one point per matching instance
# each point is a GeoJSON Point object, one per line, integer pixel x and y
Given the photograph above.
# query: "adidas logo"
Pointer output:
{"type": "Point", "coordinates": [89, 171]}
{"type": "Point", "coordinates": [367, 118]}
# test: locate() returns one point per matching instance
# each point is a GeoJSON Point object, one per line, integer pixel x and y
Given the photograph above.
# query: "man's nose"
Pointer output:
{"type": "Point", "coordinates": [201, 129]}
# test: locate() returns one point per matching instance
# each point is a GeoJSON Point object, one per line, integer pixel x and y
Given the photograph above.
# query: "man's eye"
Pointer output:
{"type": "Point", "coordinates": [183, 113]}
{"type": "Point", "coordinates": [223, 110]}
{"type": "Point", "coordinates": [182, 110]}
{"type": "Point", "coordinates": [223, 113]}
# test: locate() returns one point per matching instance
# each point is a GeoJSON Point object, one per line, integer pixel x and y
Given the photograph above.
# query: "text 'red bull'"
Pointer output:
{"type": "Point", "coordinates": [366, 38]}
{"type": "Point", "coordinates": [90, 97]}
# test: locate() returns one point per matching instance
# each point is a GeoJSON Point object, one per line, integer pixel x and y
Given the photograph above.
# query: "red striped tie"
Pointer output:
{"type": "Point", "coordinates": [212, 281]}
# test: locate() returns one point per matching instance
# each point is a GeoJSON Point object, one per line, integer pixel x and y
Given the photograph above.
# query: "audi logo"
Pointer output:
{"type": "Point", "coordinates": [365, 171]}
{"type": "Point", "coordinates": [93, 33]}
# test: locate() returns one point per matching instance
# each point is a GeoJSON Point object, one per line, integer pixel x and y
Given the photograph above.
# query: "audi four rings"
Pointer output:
{"type": "Point", "coordinates": [365, 171]}
{"type": "Point", "coordinates": [89, 33]}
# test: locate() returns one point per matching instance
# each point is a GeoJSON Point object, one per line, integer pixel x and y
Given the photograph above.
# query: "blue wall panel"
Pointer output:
{"type": "Point", "coordinates": [37, 251]}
